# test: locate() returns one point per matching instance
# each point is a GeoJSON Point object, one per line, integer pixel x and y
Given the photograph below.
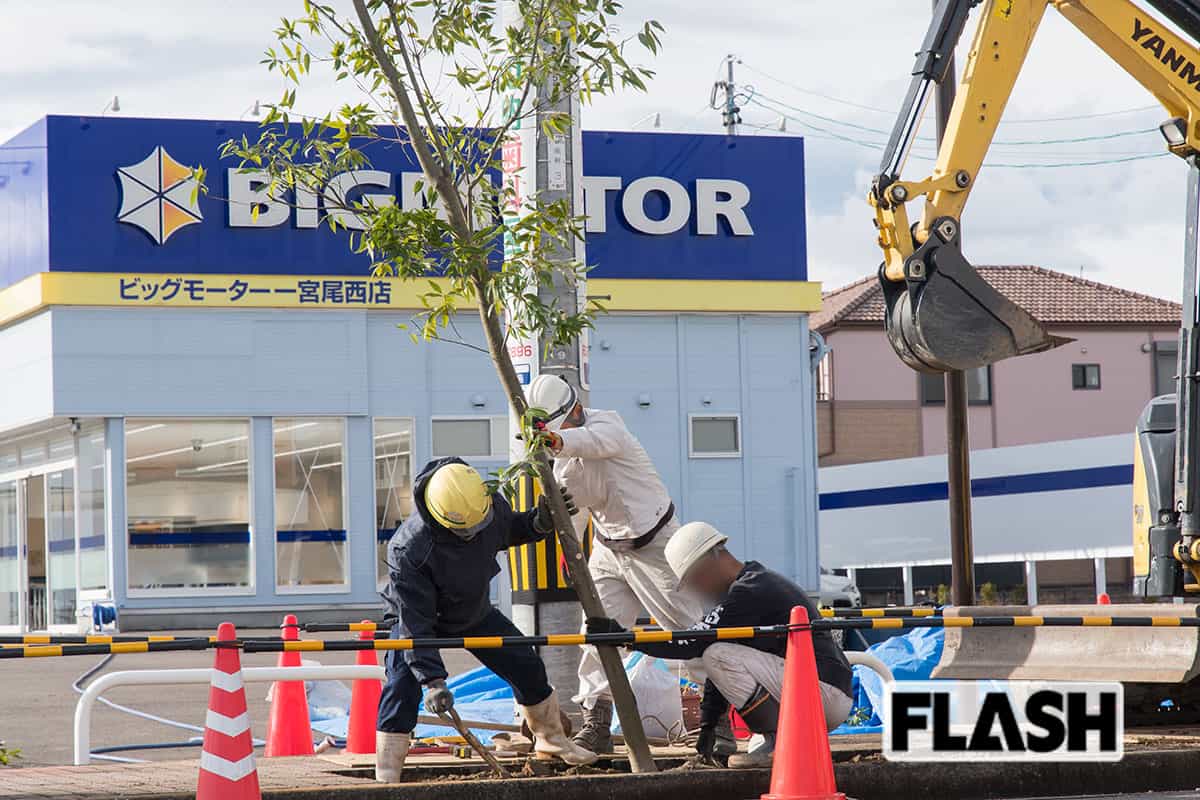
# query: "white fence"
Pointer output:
{"type": "Point", "coordinates": [164, 677]}
{"type": "Point", "coordinates": [1068, 499]}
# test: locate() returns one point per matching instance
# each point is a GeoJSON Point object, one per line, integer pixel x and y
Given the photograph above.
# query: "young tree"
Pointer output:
{"type": "Point", "coordinates": [452, 81]}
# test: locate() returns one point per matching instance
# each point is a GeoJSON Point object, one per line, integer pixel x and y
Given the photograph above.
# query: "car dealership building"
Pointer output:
{"type": "Point", "coordinates": [208, 412]}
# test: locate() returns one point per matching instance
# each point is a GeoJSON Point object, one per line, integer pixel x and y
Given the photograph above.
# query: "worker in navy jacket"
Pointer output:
{"type": "Point", "coordinates": [441, 562]}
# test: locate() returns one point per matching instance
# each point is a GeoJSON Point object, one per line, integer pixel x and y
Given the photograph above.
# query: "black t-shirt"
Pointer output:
{"type": "Point", "coordinates": [759, 597]}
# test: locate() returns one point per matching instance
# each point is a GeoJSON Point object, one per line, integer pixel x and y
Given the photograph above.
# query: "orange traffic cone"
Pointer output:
{"type": "Point", "coordinates": [364, 702]}
{"type": "Point", "coordinates": [1103, 599]}
{"type": "Point", "coordinates": [289, 732]}
{"type": "Point", "coordinates": [803, 768]}
{"type": "Point", "coordinates": [227, 762]}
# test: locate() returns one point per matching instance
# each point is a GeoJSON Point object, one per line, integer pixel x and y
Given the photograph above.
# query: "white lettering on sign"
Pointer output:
{"type": "Point", "coordinates": [595, 190]}
{"type": "Point", "coordinates": [721, 197]}
{"type": "Point", "coordinates": [679, 205]}
{"type": "Point", "coordinates": [249, 204]}
{"type": "Point", "coordinates": [337, 195]}
{"type": "Point", "coordinates": [707, 203]}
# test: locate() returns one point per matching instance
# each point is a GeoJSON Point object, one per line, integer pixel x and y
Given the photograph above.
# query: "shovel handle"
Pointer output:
{"type": "Point", "coordinates": [455, 720]}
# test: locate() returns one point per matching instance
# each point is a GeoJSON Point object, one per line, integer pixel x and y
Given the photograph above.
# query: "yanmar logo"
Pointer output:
{"type": "Point", "coordinates": [1179, 63]}
{"type": "Point", "coordinates": [158, 195]}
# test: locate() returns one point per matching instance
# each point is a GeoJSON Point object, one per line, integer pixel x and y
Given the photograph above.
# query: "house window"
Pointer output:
{"type": "Point", "coordinates": [187, 488]}
{"type": "Point", "coordinates": [1085, 376]}
{"type": "Point", "coordinates": [470, 437]}
{"type": "Point", "coordinates": [1166, 365]}
{"type": "Point", "coordinates": [979, 387]}
{"type": "Point", "coordinates": [310, 537]}
{"type": "Point", "coordinates": [393, 482]}
{"type": "Point", "coordinates": [712, 436]}
{"type": "Point", "coordinates": [824, 379]}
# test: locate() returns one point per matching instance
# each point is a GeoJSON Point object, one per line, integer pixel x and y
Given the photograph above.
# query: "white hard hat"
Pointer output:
{"type": "Point", "coordinates": [552, 394]}
{"type": "Point", "coordinates": [691, 543]}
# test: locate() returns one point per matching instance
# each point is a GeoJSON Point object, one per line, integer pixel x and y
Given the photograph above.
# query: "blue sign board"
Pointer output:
{"type": "Point", "coordinates": [87, 194]}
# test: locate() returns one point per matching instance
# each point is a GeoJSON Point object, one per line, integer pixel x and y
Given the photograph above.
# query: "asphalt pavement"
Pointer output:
{"type": "Point", "coordinates": [37, 704]}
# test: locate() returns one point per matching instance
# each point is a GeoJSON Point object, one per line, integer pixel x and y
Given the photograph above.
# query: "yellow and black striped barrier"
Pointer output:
{"type": "Point", "coordinates": [620, 639]}
{"type": "Point", "coordinates": [102, 649]}
{"type": "Point", "coordinates": [876, 613]}
{"type": "Point", "coordinates": [828, 613]}
{"type": "Point", "coordinates": [37, 638]}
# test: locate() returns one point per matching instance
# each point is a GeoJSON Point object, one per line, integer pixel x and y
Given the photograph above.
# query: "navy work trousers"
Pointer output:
{"type": "Point", "coordinates": [520, 667]}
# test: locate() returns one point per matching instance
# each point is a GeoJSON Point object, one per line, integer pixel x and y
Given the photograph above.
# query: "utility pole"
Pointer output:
{"type": "Point", "coordinates": [958, 446]}
{"type": "Point", "coordinates": [548, 166]}
{"type": "Point", "coordinates": [731, 114]}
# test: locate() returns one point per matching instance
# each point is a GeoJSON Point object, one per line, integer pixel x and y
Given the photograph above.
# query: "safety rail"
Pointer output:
{"type": "Point", "coordinates": [621, 639]}
{"type": "Point", "coordinates": [167, 677]}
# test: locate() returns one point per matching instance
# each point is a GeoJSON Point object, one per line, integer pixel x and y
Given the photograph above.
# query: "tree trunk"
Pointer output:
{"type": "Point", "coordinates": [581, 579]}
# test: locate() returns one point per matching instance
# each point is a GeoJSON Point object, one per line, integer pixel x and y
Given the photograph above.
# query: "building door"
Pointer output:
{"type": "Point", "coordinates": [11, 584]}
{"type": "Point", "coordinates": [38, 552]}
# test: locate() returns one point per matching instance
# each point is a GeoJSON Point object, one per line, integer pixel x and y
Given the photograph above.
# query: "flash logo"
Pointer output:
{"type": "Point", "coordinates": [158, 195]}
{"type": "Point", "coordinates": [1004, 721]}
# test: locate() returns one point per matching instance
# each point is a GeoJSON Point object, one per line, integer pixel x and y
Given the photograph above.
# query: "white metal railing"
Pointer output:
{"type": "Point", "coordinates": [162, 677]}
{"type": "Point", "coordinates": [347, 672]}
{"type": "Point", "coordinates": [856, 657]}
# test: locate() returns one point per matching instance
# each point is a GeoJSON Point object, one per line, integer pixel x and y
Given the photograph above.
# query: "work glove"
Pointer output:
{"type": "Point", "coordinates": [438, 699]}
{"type": "Point", "coordinates": [544, 520]}
{"type": "Point", "coordinates": [706, 745]}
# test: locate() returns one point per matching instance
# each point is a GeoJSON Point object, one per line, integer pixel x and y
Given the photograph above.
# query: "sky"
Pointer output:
{"type": "Point", "coordinates": [836, 69]}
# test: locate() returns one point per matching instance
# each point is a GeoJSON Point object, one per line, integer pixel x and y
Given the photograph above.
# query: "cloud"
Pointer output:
{"type": "Point", "coordinates": [1120, 223]}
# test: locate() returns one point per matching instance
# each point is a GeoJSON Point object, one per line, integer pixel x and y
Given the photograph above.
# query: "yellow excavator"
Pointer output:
{"type": "Point", "coordinates": [942, 316]}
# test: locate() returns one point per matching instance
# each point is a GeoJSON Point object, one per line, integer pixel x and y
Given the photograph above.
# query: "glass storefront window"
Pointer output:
{"type": "Point", "coordinates": [10, 573]}
{"type": "Point", "coordinates": [393, 482]}
{"type": "Point", "coordinates": [60, 547]}
{"type": "Point", "coordinates": [310, 538]}
{"type": "Point", "coordinates": [188, 504]}
{"type": "Point", "coordinates": [93, 567]}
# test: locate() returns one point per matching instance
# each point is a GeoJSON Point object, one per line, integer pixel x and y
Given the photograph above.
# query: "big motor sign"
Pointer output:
{"type": "Point", "coordinates": [658, 205]}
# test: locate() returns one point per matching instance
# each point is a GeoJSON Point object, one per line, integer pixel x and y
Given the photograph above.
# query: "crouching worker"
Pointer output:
{"type": "Point", "coordinates": [748, 674]}
{"type": "Point", "coordinates": [440, 564]}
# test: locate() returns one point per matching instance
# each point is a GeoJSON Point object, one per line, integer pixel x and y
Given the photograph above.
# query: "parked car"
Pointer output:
{"type": "Point", "coordinates": [838, 591]}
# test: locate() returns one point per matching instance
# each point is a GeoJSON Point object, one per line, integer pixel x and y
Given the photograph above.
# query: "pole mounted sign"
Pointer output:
{"type": "Point", "coordinates": [116, 196]}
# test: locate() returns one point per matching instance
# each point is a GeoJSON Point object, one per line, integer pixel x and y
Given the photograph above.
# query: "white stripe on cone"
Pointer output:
{"type": "Point", "coordinates": [227, 682]}
{"type": "Point", "coordinates": [229, 770]}
{"type": "Point", "coordinates": [230, 726]}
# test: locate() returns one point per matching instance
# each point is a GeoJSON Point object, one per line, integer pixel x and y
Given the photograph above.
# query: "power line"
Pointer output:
{"type": "Point", "coordinates": [892, 112]}
{"type": "Point", "coordinates": [758, 97]}
{"type": "Point", "coordinates": [878, 147]}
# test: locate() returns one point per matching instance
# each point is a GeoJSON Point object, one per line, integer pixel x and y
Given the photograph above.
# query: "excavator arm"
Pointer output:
{"type": "Point", "coordinates": [941, 315]}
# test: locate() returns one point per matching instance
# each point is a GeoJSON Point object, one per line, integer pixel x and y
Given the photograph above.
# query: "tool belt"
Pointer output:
{"type": "Point", "coordinates": [629, 545]}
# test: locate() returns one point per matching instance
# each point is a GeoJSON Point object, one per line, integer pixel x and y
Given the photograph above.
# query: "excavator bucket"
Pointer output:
{"type": "Point", "coordinates": [1155, 663]}
{"type": "Point", "coordinates": [948, 318]}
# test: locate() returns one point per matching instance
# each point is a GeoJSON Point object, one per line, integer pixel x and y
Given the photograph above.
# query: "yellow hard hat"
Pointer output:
{"type": "Point", "coordinates": [458, 499]}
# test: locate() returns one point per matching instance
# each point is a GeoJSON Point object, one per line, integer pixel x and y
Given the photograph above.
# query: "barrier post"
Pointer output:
{"type": "Point", "coordinates": [227, 770]}
{"type": "Point", "coordinates": [364, 703]}
{"type": "Point", "coordinates": [289, 732]}
{"type": "Point", "coordinates": [803, 765]}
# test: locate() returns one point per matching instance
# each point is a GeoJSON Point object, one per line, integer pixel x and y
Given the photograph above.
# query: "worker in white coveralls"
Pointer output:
{"type": "Point", "coordinates": [748, 674]}
{"type": "Point", "coordinates": [610, 476]}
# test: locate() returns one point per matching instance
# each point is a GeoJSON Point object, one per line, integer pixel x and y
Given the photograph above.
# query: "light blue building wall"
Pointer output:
{"type": "Point", "coordinates": [656, 370]}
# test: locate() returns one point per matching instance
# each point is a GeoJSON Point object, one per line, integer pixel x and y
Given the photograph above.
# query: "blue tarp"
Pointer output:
{"type": "Point", "coordinates": [478, 695]}
{"type": "Point", "coordinates": [910, 657]}
{"type": "Point", "coordinates": [481, 695]}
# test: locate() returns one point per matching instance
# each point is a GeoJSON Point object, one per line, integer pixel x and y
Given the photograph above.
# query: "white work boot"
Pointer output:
{"type": "Point", "coordinates": [760, 755]}
{"type": "Point", "coordinates": [550, 740]}
{"type": "Point", "coordinates": [390, 751]}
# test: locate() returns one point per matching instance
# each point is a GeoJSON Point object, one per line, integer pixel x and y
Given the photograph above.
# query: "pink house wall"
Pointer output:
{"type": "Point", "coordinates": [866, 369]}
{"type": "Point", "coordinates": [1034, 401]}
{"type": "Point", "coordinates": [1032, 398]}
